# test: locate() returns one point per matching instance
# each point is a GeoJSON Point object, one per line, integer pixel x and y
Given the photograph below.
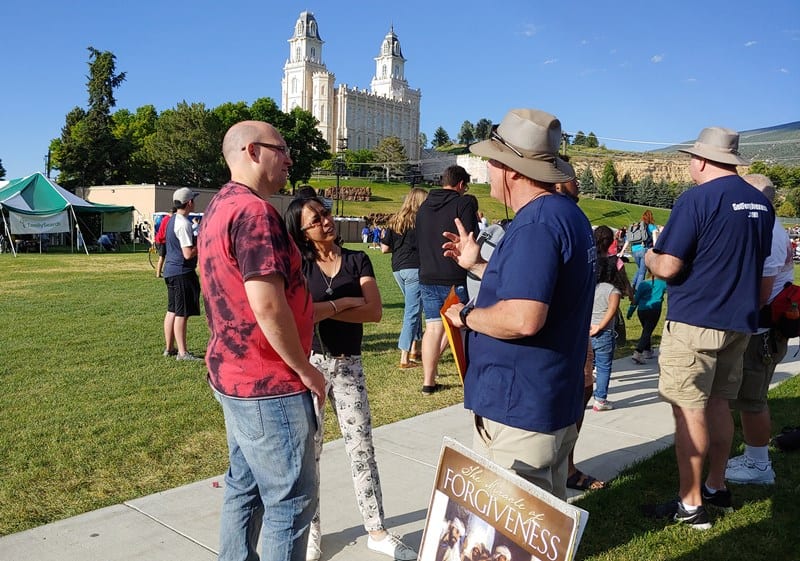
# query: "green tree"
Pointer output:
{"type": "Point", "coordinates": [440, 138]}
{"type": "Point", "coordinates": [131, 130]}
{"type": "Point", "coordinates": [792, 196]}
{"type": "Point", "coordinates": [787, 210]}
{"type": "Point", "coordinates": [626, 180]}
{"type": "Point", "coordinates": [608, 180]}
{"type": "Point", "coordinates": [391, 154]}
{"type": "Point", "coordinates": [185, 147]}
{"type": "Point", "coordinates": [230, 113]}
{"type": "Point", "coordinates": [2, 170]}
{"type": "Point", "coordinates": [588, 184]}
{"type": "Point", "coordinates": [580, 139]}
{"type": "Point", "coordinates": [66, 152]}
{"type": "Point", "coordinates": [306, 144]}
{"type": "Point", "coordinates": [358, 161]}
{"type": "Point", "coordinates": [265, 109]}
{"type": "Point", "coordinates": [467, 133]}
{"type": "Point", "coordinates": [89, 152]}
{"type": "Point", "coordinates": [645, 192]}
{"type": "Point", "coordinates": [591, 141]}
{"type": "Point", "coordinates": [423, 140]}
{"type": "Point", "coordinates": [483, 129]}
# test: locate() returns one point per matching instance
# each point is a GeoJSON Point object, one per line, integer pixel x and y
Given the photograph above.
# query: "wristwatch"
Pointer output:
{"type": "Point", "coordinates": [465, 311]}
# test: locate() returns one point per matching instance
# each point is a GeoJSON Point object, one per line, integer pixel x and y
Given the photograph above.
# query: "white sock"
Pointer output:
{"type": "Point", "coordinates": [710, 489]}
{"type": "Point", "coordinates": [689, 509]}
{"type": "Point", "coordinates": [757, 453]}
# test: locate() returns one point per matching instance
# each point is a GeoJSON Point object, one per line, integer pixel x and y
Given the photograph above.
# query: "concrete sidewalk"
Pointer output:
{"type": "Point", "coordinates": [182, 524]}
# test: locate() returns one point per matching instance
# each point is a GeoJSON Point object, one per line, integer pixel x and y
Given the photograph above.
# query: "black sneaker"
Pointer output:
{"type": "Point", "coordinates": [663, 510]}
{"type": "Point", "coordinates": [697, 520]}
{"type": "Point", "coordinates": [720, 499]}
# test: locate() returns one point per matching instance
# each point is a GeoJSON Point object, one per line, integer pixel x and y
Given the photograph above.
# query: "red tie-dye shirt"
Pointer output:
{"type": "Point", "coordinates": [241, 237]}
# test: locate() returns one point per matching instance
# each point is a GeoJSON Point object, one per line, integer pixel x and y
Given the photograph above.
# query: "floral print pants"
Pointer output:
{"type": "Point", "coordinates": [347, 392]}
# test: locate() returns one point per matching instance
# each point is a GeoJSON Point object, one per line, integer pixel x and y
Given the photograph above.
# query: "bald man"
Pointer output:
{"type": "Point", "coordinates": [766, 349]}
{"type": "Point", "coordinates": [260, 316]}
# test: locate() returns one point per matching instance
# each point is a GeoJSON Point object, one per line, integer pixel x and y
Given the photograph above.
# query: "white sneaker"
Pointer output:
{"type": "Point", "coordinates": [313, 551]}
{"type": "Point", "coordinates": [393, 547]}
{"type": "Point", "coordinates": [602, 405]}
{"type": "Point", "coordinates": [750, 471]}
{"type": "Point", "coordinates": [648, 355]}
{"type": "Point", "coordinates": [735, 461]}
{"type": "Point", "coordinates": [637, 357]}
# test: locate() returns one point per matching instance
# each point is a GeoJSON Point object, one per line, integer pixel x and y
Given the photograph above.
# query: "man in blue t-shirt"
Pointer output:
{"type": "Point", "coordinates": [711, 253]}
{"type": "Point", "coordinates": [524, 382]}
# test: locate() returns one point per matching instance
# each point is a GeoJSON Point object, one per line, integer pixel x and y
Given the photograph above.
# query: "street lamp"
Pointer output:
{"type": "Point", "coordinates": [339, 167]}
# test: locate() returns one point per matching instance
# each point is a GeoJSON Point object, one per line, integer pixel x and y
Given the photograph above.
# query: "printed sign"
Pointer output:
{"type": "Point", "coordinates": [29, 224]}
{"type": "Point", "coordinates": [482, 512]}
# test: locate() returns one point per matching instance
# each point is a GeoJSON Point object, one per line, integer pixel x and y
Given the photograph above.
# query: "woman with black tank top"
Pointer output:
{"type": "Point", "coordinates": [401, 240]}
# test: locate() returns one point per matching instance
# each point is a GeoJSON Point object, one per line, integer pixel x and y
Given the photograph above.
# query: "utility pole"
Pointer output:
{"type": "Point", "coordinates": [565, 142]}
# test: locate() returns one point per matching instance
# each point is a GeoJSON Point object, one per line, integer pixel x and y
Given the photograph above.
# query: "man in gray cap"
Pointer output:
{"type": "Point", "coordinates": [711, 253]}
{"type": "Point", "coordinates": [180, 274]}
{"type": "Point", "coordinates": [524, 382]}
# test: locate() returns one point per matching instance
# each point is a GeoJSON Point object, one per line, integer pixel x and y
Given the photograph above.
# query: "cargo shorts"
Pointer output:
{"type": "Point", "coordinates": [699, 362]}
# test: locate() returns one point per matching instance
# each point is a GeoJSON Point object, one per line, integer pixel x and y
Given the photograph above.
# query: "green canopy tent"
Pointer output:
{"type": "Point", "coordinates": [37, 205]}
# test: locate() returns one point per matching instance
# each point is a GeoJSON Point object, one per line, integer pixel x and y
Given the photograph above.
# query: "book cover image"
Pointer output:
{"type": "Point", "coordinates": [482, 512]}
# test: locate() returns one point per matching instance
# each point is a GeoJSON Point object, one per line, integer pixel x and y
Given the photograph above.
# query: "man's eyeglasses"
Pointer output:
{"type": "Point", "coordinates": [280, 147]}
{"type": "Point", "coordinates": [323, 214]}
{"type": "Point", "coordinates": [496, 137]}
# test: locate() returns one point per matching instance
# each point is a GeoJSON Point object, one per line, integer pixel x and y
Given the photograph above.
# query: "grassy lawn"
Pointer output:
{"type": "Point", "coordinates": [91, 415]}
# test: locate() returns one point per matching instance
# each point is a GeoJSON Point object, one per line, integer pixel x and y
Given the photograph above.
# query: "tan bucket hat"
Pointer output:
{"type": "Point", "coordinates": [527, 141]}
{"type": "Point", "coordinates": [717, 144]}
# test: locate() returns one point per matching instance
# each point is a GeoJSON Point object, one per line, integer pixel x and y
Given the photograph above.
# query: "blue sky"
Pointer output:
{"type": "Point", "coordinates": [646, 71]}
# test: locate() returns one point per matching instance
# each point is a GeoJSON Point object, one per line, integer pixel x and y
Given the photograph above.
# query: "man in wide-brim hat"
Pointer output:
{"type": "Point", "coordinates": [524, 382]}
{"type": "Point", "coordinates": [711, 253]}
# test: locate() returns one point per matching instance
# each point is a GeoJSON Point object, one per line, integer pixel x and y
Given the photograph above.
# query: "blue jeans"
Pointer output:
{"type": "Point", "coordinates": [272, 478]}
{"type": "Point", "coordinates": [641, 271]}
{"type": "Point", "coordinates": [603, 347]}
{"type": "Point", "coordinates": [434, 295]}
{"type": "Point", "coordinates": [408, 281]}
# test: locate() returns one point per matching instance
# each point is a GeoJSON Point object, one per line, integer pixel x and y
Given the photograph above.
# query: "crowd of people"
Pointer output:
{"type": "Point", "coordinates": [286, 304]}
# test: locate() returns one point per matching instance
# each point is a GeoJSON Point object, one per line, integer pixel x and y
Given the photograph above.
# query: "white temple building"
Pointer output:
{"type": "Point", "coordinates": [351, 118]}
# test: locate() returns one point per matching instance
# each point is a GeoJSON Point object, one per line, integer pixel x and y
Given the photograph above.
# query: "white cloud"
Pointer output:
{"type": "Point", "coordinates": [691, 80]}
{"type": "Point", "coordinates": [750, 43]}
{"type": "Point", "coordinates": [529, 30]}
{"type": "Point", "coordinates": [584, 42]}
{"type": "Point", "coordinates": [783, 70]}
{"type": "Point", "coordinates": [655, 59]}
{"type": "Point", "coordinates": [551, 61]}
{"type": "Point", "coordinates": [612, 52]}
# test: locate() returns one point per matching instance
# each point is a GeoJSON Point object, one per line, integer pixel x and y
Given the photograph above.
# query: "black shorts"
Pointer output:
{"type": "Point", "coordinates": [183, 294]}
{"type": "Point", "coordinates": [161, 248]}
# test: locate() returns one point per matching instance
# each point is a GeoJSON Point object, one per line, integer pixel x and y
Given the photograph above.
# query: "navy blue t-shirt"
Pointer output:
{"type": "Point", "coordinates": [536, 383]}
{"type": "Point", "coordinates": [179, 235]}
{"type": "Point", "coordinates": [722, 231]}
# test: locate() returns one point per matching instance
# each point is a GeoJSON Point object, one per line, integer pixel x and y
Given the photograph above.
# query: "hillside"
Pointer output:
{"type": "Point", "coordinates": [774, 145]}
{"type": "Point", "coordinates": [779, 144]}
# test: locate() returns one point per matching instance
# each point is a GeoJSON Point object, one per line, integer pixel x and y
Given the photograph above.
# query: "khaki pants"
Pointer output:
{"type": "Point", "coordinates": [541, 458]}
